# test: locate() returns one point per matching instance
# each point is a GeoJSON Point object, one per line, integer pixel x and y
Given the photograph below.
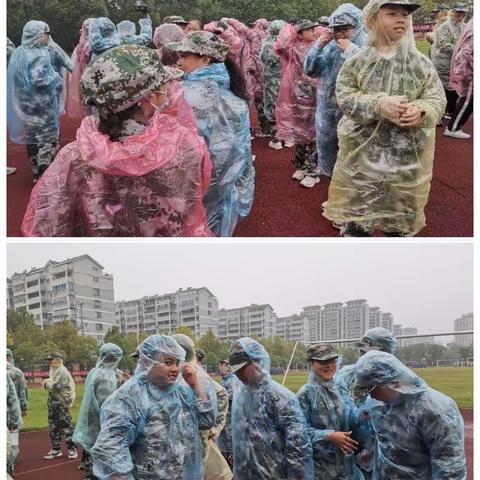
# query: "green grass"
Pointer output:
{"type": "Point", "coordinates": [423, 46]}
{"type": "Point", "coordinates": [454, 382]}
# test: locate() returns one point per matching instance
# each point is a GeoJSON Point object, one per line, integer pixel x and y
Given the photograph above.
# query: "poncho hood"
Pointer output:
{"type": "Point", "coordinates": [216, 72]}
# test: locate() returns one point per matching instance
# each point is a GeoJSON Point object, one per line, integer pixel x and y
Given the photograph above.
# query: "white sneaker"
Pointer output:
{"type": "Point", "coordinates": [253, 158]}
{"type": "Point", "coordinates": [72, 454]}
{"type": "Point", "coordinates": [275, 145]}
{"type": "Point", "coordinates": [289, 144]}
{"type": "Point", "coordinates": [299, 174]}
{"type": "Point", "coordinates": [52, 454]}
{"type": "Point", "coordinates": [309, 181]}
{"type": "Point", "coordinates": [456, 134]}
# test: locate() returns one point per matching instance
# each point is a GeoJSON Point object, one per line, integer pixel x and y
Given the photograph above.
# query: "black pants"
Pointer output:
{"type": "Point", "coordinates": [452, 98]}
{"type": "Point", "coordinates": [462, 112]}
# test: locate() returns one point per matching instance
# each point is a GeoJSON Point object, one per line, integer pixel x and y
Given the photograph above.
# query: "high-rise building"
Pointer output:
{"type": "Point", "coordinates": [235, 323]}
{"type": "Point", "coordinates": [387, 321]}
{"type": "Point", "coordinates": [375, 318]}
{"type": "Point", "coordinates": [9, 295]}
{"type": "Point", "coordinates": [397, 329]}
{"type": "Point", "coordinates": [331, 325]}
{"type": "Point", "coordinates": [75, 289]}
{"type": "Point", "coordinates": [314, 315]}
{"type": "Point", "coordinates": [356, 318]}
{"type": "Point", "coordinates": [195, 308]}
{"type": "Point", "coordinates": [465, 322]}
{"type": "Point", "coordinates": [294, 328]}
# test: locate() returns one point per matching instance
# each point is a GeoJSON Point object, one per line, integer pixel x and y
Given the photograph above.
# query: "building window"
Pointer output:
{"type": "Point", "coordinates": [32, 283]}
{"type": "Point", "coordinates": [33, 294]}
{"type": "Point", "coordinates": [32, 306]}
{"type": "Point", "coordinates": [97, 303]}
{"type": "Point", "coordinates": [96, 279]}
{"type": "Point", "coordinates": [96, 292]}
{"type": "Point", "coordinates": [99, 327]}
{"type": "Point", "coordinates": [98, 314]}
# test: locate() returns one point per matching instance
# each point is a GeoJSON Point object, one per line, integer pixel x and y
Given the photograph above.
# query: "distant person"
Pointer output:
{"type": "Point", "coordinates": [441, 15]}
{"type": "Point", "coordinates": [194, 25]}
{"type": "Point", "coordinates": [166, 33]}
{"type": "Point", "coordinates": [127, 31]}
{"type": "Point", "coordinates": [62, 64]}
{"type": "Point", "coordinates": [102, 36]}
{"type": "Point", "coordinates": [177, 20]}
{"type": "Point", "coordinates": [61, 395]}
{"type": "Point", "coordinates": [418, 430]}
{"type": "Point", "coordinates": [14, 423]}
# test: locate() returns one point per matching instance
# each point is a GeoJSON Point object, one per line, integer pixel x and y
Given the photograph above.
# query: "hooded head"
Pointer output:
{"type": "Point", "coordinates": [377, 339]}
{"type": "Point", "coordinates": [249, 361]}
{"type": "Point", "coordinates": [10, 357]}
{"type": "Point", "coordinates": [275, 27]}
{"type": "Point", "coordinates": [109, 356]}
{"type": "Point", "coordinates": [348, 15]}
{"type": "Point", "coordinates": [102, 35]}
{"type": "Point", "coordinates": [35, 34]}
{"type": "Point", "coordinates": [202, 43]}
{"type": "Point", "coordinates": [126, 28]}
{"type": "Point", "coordinates": [167, 32]}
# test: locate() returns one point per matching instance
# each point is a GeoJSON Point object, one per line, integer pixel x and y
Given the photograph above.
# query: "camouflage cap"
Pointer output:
{"type": "Point", "coordinates": [237, 357]}
{"type": "Point", "coordinates": [53, 356]}
{"type": "Point", "coordinates": [175, 19]}
{"type": "Point", "coordinates": [202, 43]}
{"type": "Point", "coordinates": [407, 4]}
{"type": "Point", "coordinates": [324, 20]}
{"type": "Point", "coordinates": [122, 76]}
{"type": "Point", "coordinates": [305, 25]}
{"type": "Point", "coordinates": [460, 7]}
{"type": "Point", "coordinates": [440, 8]}
{"type": "Point", "coordinates": [321, 352]}
{"type": "Point", "coordinates": [200, 354]}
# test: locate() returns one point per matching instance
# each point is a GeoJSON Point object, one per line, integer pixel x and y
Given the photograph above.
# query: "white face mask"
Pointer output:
{"type": "Point", "coordinates": [165, 103]}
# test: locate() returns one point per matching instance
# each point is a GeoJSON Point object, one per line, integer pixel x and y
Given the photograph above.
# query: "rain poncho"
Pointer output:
{"type": "Point", "coordinates": [10, 49]}
{"type": "Point", "coordinates": [461, 70]}
{"type": "Point", "coordinates": [295, 110]}
{"type": "Point", "coordinates": [326, 411]}
{"type": "Point", "coordinates": [14, 414]}
{"type": "Point", "coordinates": [419, 434]}
{"type": "Point", "coordinates": [272, 70]}
{"type": "Point", "coordinates": [150, 425]}
{"type": "Point", "coordinates": [325, 63]}
{"type": "Point", "coordinates": [101, 382]}
{"type": "Point", "coordinates": [165, 33]}
{"type": "Point", "coordinates": [269, 431]}
{"type": "Point", "coordinates": [18, 379]}
{"type": "Point", "coordinates": [382, 174]}
{"type": "Point", "coordinates": [61, 63]}
{"type": "Point", "coordinates": [81, 58]}
{"type": "Point", "coordinates": [224, 441]}
{"type": "Point", "coordinates": [32, 88]}
{"type": "Point", "coordinates": [127, 32]}
{"type": "Point", "coordinates": [60, 385]}
{"type": "Point", "coordinates": [222, 120]}
{"type": "Point", "coordinates": [102, 36]}
{"type": "Point", "coordinates": [442, 49]}
{"type": "Point", "coordinates": [151, 184]}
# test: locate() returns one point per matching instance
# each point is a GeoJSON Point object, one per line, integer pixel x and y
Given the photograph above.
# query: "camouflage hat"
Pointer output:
{"type": "Point", "coordinates": [460, 7]}
{"type": "Point", "coordinates": [407, 4]}
{"type": "Point", "coordinates": [201, 43]}
{"type": "Point", "coordinates": [122, 76]}
{"type": "Point", "coordinates": [175, 19]}
{"type": "Point", "coordinates": [440, 8]}
{"type": "Point", "coordinates": [305, 25]}
{"type": "Point", "coordinates": [321, 352]}
{"type": "Point", "coordinates": [200, 354]}
{"type": "Point", "coordinates": [237, 357]}
{"type": "Point", "coordinates": [324, 20]}
{"type": "Point", "coordinates": [53, 356]}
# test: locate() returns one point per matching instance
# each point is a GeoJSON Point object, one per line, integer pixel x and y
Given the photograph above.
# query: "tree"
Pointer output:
{"type": "Point", "coordinates": [435, 352]}
{"type": "Point", "coordinates": [213, 347]}
{"type": "Point", "coordinates": [128, 343]}
{"type": "Point", "coordinates": [185, 331]}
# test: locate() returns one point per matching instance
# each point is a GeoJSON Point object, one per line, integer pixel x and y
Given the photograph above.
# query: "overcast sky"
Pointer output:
{"type": "Point", "coordinates": [423, 285]}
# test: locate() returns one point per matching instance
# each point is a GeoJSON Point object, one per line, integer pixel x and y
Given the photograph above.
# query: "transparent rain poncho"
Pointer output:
{"type": "Point", "coordinates": [325, 63]}
{"type": "Point", "coordinates": [100, 383]}
{"type": "Point", "coordinates": [443, 46]}
{"type": "Point", "coordinates": [223, 121]}
{"type": "Point", "coordinates": [62, 64]}
{"type": "Point", "coordinates": [18, 379]}
{"type": "Point", "coordinates": [32, 87]}
{"type": "Point", "coordinates": [165, 33]}
{"type": "Point", "coordinates": [327, 411]}
{"type": "Point", "coordinates": [272, 70]}
{"type": "Point", "coordinates": [127, 32]}
{"type": "Point", "coordinates": [461, 69]}
{"type": "Point", "coordinates": [382, 174]}
{"type": "Point", "coordinates": [81, 58]}
{"type": "Point", "coordinates": [224, 441]}
{"type": "Point", "coordinates": [296, 101]}
{"type": "Point", "coordinates": [102, 36]}
{"type": "Point", "coordinates": [150, 425]}
{"type": "Point", "coordinates": [151, 184]}
{"type": "Point", "coordinates": [10, 49]}
{"type": "Point", "coordinates": [419, 433]}
{"type": "Point", "coordinates": [269, 431]}
{"type": "Point", "coordinates": [60, 384]}
{"type": "Point", "coordinates": [14, 413]}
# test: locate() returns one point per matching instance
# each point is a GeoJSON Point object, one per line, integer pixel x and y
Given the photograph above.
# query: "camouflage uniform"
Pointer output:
{"type": "Point", "coordinates": [14, 421]}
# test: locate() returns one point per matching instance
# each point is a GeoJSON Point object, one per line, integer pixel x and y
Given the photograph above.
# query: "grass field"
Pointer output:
{"type": "Point", "coordinates": [454, 382]}
{"type": "Point", "coordinates": [423, 46]}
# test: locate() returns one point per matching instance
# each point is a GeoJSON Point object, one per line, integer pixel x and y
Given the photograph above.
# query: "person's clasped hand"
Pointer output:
{"type": "Point", "coordinates": [343, 441]}
{"type": "Point", "coordinates": [412, 117]}
{"type": "Point", "coordinates": [392, 108]}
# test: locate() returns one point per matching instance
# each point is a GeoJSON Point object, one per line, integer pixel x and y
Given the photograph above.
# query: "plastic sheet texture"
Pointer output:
{"type": "Point", "coordinates": [102, 36]}
{"type": "Point", "coordinates": [60, 385]}
{"type": "Point", "coordinates": [382, 175]}
{"type": "Point", "coordinates": [461, 69]}
{"type": "Point", "coordinates": [326, 411]}
{"type": "Point", "coordinates": [325, 63]}
{"type": "Point", "coordinates": [165, 33]}
{"type": "Point", "coordinates": [13, 414]}
{"type": "Point", "coordinates": [149, 432]}
{"type": "Point", "coordinates": [127, 32]}
{"type": "Point", "coordinates": [100, 383]}
{"type": "Point", "coordinates": [296, 101]}
{"type": "Point", "coordinates": [151, 184]}
{"type": "Point", "coordinates": [222, 120]}
{"type": "Point", "coordinates": [18, 379]}
{"type": "Point", "coordinates": [419, 435]}
{"type": "Point", "coordinates": [272, 70]}
{"type": "Point", "coordinates": [32, 90]}
{"type": "Point", "coordinates": [224, 441]}
{"type": "Point", "coordinates": [270, 438]}
{"type": "Point", "coordinates": [62, 64]}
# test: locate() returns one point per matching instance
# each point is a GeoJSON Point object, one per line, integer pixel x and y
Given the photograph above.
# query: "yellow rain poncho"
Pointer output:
{"type": "Point", "coordinates": [382, 175]}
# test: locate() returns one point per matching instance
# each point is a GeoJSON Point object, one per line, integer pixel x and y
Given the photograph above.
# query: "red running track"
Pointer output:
{"type": "Point", "coordinates": [283, 208]}
{"type": "Point", "coordinates": [33, 445]}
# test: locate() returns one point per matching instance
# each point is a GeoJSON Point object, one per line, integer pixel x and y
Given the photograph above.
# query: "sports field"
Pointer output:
{"type": "Point", "coordinates": [454, 382]}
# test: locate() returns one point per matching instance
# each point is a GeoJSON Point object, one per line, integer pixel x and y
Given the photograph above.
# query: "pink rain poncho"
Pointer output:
{"type": "Point", "coordinates": [165, 33]}
{"type": "Point", "coordinates": [296, 101]}
{"type": "Point", "coordinates": [150, 184]}
{"type": "Point", "coordinates": [461, 70]}
{"type": "Point", "coordinates": [81, 58]}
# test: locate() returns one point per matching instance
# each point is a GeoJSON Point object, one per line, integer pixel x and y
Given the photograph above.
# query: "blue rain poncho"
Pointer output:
{"type": "Point", "coordinates": [224, 441]}
{"type": "Point", "coordinates": [419, 433]}
{"type": "Point", "coordinates": [270, 439]}
{"type": "Point", "coordinates": [325, 63]}
{"type": "Point", "coordinates": [150, 425]}
{"type": "Point", "coordinates": [326, 411]}
{"type": "Point", "coordinates": [102, 36]}
{"type": "Point", "coordinates": [101, 382]}
{"type": "Point", "coordinates": [61, 62]}
{"type": "Point", "coordinates": [32, 87]}
{"type": "Point", "coordinates": [19, 382]}
{"type": "Point", "coordinates": [10, 49]}
{"type": "Point", "coordinates": [14, 414]}
{"type": "Point", "coordinates": [223, 121]}
{"type": "Point", "coordinates": [127, 31]}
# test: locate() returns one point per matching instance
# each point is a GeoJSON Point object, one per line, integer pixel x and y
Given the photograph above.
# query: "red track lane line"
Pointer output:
{"type": "Point", "coordinates": [44, 468]}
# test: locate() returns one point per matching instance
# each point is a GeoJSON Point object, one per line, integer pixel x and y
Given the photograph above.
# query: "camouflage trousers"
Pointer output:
{"type": "Point", "coordinates": [41, 155]}
{"type": "Point", "coordinates": [262, 119]}
{"type": "Point", "coordinates": [87, 465]}
{"type": "Point", "coordinates": [306, 158]}
{"type": "Point", "coordinates": [59, 423]}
